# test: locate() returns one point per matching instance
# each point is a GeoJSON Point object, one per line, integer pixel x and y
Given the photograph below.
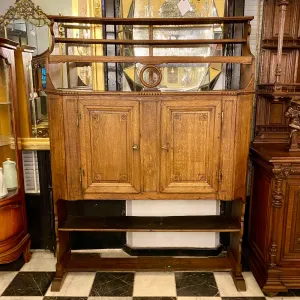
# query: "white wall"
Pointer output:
{"type": "Point", "coordinates": [4, 5]}
{"type": "Point", "coordinates": [254, 8]}
{"type": "Point", "coordinates": [172, 208]}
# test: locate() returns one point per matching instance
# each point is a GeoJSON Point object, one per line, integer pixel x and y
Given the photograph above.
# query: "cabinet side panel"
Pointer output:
{"type": "Point", "coordinates": [57, 146]}
{"type": "Point", "coordinates": [72, 148]}
{"type": "Point", "coordinates": [260, 213]}
{"type": "Point", "coordinates": [242, 142]}
{"type": "Point", "coordinates": [227, 148]}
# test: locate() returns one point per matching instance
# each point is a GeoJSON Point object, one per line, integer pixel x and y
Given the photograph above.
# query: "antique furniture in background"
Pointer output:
{"type": "Point", "coordinates": [24, 19]}
{"type": "Point", "coordinates": [274, 231]}
{"type": "Point", "coordinates": [39, 85]}
{"type": "Point", "coordinates": [14, 238]}
{"type": "Point", "coordinates": [136, 145]}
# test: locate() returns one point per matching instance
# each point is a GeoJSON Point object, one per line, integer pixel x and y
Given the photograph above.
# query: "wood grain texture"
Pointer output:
{"type": "Point", "coordinates": [57, 146]}
{"type": "Point", "coordinates": [110, 146]}
{"type": "Point", "coordinates": [242, 143]}
{"type": "Point", "coordinates": [71, 129]}
{"type": "Point", "coordinates": [190, 143]}
{"type": "Point", "coordinates": [155, 136]}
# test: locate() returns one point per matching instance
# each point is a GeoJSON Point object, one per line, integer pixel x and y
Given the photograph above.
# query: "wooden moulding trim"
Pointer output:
{"type": "Point", "coordinates": [8, 43]}
{"type": "Point", "coordinates": [26, 48]}
{"type": "Point", "coordinates": [171, 43]}
{"type": "Point", "coordinates": [35, 143]}
{"type": "Point", "coordinates": [157, 60]}
{"type": "Point", "coordinates": [149, 21]}
{"type": "Point", "coordinates": [14, 253]}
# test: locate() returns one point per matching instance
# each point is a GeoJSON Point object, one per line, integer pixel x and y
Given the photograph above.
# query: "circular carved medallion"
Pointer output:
{"type": "Point", "coordinates": [150, 76]}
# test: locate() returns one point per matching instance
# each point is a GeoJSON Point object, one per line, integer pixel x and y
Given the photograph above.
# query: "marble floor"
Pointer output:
{"type": "Point", "coordinates": [32, 281]}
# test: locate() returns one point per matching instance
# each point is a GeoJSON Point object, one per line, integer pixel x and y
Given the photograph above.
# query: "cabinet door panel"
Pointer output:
{"type": "Point", "coordinates": [110, 147]}
{"type": "Point", "coordinates": [190, 146]}
{"type": "Point", "coordinates": [12, 222]}
{"type": "Point", "coordinates": [291, 236]}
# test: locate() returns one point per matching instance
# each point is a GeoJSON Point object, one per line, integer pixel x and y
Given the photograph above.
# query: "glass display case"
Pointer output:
{"type": "Point", "coordinates": [14, 237]}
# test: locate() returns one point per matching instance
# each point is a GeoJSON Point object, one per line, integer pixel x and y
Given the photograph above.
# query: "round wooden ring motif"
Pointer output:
{"type": "Point", "coordinates": [155, 70]}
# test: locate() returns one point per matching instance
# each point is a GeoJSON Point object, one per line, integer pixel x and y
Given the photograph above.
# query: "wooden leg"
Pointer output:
{"type": "Point", "coordinates": [26, 253]}
{"type": "Point", "coordinates": [235, 249]}
{"type": "Point", "coordinates": [58, 282]}
{"type": "Point", "coordinates": [239, 282]}
{"type": "Point", "coordinates": [63, 250]}
{"type": "Point", "coordinates": [270, 294]}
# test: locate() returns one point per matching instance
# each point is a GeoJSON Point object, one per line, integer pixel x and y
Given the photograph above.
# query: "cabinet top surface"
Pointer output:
{"type": "Point", "coordinates": [66, 92]}
{"type": "Point", "coordinates": [275, 153]}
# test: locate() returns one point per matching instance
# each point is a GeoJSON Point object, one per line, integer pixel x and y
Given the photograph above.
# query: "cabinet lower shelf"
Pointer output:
{"type": "Point", "coordinates": [93, 262]}
{"type": "Point", "coordinates": [152, 224]}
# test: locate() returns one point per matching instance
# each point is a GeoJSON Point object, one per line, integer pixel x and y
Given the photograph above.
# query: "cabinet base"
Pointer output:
{"type": "Point", "coordinates": [88, 262]}
{"type": "Point", "coordinates": [273, 280]}
{"type": "Point", "coordinates": [14, 253]}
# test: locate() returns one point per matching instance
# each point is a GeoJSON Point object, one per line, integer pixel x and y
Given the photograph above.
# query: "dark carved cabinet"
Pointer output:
{"type": "Point", "coordinates": [274, 231]}
{"type": "Point", "coordinates": [274, 225]}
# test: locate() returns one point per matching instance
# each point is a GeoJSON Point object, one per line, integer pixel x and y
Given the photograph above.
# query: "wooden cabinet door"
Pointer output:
{"type": "Point", "coordinates": [109, 137]}
{"type": "Point", "coordinates": [190, 146]}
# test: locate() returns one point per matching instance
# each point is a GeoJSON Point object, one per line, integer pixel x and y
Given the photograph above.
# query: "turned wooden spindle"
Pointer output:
{"type": "Point", "coordinates": [283, 6]}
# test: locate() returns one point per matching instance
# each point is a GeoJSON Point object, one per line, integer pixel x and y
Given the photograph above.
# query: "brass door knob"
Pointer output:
{"type": "Point", "coordinates": [164, 147]}
{"type": "Point", "coordinates": [135, 147]}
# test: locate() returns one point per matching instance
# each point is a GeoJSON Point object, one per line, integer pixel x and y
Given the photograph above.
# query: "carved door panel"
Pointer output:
{"type": "Point", "coordinates": [190, 146]}
{"type": "Point", "coordinates": [109, 137]}
{"type": "Point", "coordinates": [291, 240]}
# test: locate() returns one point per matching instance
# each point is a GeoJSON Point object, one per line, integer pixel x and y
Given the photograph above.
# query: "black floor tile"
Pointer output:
{"type": "Point", "coordinates": [29, 284]}
{"type": "Point", "coordinates": [13, 266]}
{"type": "Point", "coordinates": [113, 284]}
{"type": "Point", "coordinates": [196, 284]}
{"type": "Point", "coordinates": [290, 293]}
{"type": "Point", "coordinates": [154, 298]}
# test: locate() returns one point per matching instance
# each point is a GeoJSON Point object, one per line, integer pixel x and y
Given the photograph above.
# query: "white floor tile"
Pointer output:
{"type": "Point", "coordinates": [41, 261]}
{"type": "Point", "coordinates": [154, 285]}
{"type": "Point", "coordinates": [283, 298]}
{"type": "Point", "coordinates": [5, 279]}
{"type": "Point", "coordinates": [199, 298]}
{"type": "Point", "coordinates": [108, 298]}
{"type": "Point", "coordinates": [75, 285]}
{"type": "Point", "coordinates": [22, 298]}
{"type": "Point", "coordinates": [113, 253]}
{"type": "Point", "coordinates": [227, 288]}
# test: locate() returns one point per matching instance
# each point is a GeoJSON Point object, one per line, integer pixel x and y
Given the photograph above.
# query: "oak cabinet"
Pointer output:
{"type": "Point", "coordinates": [151, 147]}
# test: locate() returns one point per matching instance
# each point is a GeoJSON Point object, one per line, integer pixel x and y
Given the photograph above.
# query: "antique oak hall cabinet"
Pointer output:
{"type": "Point", "coordinates": [150, 144]}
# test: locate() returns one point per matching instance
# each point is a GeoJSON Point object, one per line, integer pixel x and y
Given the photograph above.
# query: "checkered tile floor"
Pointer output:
{"type": "Point", "coordinates": [32, 282]}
